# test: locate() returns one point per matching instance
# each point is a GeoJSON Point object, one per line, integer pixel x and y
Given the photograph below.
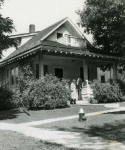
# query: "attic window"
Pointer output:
{"type": "Point", "coordinates": [59, 35]}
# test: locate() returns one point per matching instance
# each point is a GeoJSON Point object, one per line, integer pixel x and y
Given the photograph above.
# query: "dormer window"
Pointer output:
{"type": "Point", "coordinates": [59, 35]}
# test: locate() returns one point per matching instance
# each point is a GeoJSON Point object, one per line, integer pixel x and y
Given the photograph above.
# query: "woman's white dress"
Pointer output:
{"type": "Point", "coordinates": [74, 93]}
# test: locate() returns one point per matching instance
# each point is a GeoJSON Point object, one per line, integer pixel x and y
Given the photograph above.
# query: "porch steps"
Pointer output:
{"type": "Point", "coordinates": [82, 102]}
{"type": "Point", "coordinates": [86, 93]}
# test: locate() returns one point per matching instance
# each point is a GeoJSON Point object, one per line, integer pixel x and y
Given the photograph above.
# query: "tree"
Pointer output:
{"type": "Point", "coordinates": [6, 27]}
{"type": "Point", "coordinates": [105, 20]}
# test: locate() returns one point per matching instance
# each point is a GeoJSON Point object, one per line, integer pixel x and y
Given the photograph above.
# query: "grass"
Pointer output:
{"type": "Point", "coordinates": [71, 125]}
{"type": "Point", "coordinates": [109, 126]}
{"type": "Point", "coordinates": [15, 141]}
{"type": "Point", "coordinates": [16, 116]}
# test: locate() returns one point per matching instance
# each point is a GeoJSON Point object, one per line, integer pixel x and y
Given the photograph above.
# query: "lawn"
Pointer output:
{"type": "Point", "coordinates": [16, 116]}
{"type": "Point", "coordinates": [97, 120]}
{"type": "Point", "coordinates": [110, 126]}
{"type": "Point", "coordinates": [15, 141]}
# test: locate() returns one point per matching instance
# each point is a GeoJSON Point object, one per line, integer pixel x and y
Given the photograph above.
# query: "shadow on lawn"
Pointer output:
{"type": "Point", "coordinates": [117, 112]}
{"type": "Point", "coordinates": [9, 114]}
{"type": "Point", "coordinates": [114, 131]}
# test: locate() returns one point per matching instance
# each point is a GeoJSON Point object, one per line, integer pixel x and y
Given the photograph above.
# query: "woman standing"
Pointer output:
{"type": "Point", "coordinates": [74, 94]}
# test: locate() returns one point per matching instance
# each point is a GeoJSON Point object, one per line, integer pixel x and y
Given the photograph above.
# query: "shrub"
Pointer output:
{"type": "Point", "coordinates": [25, 78]}
{"type": "Point", "coordinates": [107, 93]}
{"type": "Point", "coordinates": [47, 93]}
{"type": "Point", "coordinates": [6, 100]}
{"type": "Point", "coordinates": [121, 85]}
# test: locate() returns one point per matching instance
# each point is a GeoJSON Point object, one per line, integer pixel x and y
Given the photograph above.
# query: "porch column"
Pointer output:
{"type": "Point", "coordinates": [85, 70]}
{"type": "Point", "coordinates": [41, 72]}
{"type": "Point", "coordinates": [114, 71]}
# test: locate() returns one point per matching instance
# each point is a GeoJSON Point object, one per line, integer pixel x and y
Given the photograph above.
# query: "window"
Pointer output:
{"type": "Point", "coordinates": [103, 79]}
{"type": "Point", "coordinates": [16, 74]}
{"type": "Point", "coordinates": [12, 76]}
{"type": "Point", "coordinates": [45, 69]}
{"type": "Point", "coordinates": [7, 74]}
{"type": "Point", "coordinates": [59, 35]}
{"type": "Point", "coordinates": [59, 72]}
{"type": "Point", "coordinates": [37, 71]}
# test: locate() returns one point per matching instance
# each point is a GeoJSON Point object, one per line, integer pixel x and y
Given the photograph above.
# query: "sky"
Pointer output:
{"type": "Point", "coordinates": [42, 13]}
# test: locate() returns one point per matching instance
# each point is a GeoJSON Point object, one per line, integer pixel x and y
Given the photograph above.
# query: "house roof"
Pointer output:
{"type": "Point", "coordinates": [23, 35]}
{"type": "Point", "coordinates": [38, 40]}
{"type": "Point", "coordinates": [52, 47]}
{"type": "Point", "coordinates": [35, 41]}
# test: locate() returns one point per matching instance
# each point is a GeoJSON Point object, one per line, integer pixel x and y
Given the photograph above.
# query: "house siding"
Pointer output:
{"type": "Point", "coordinates": [70, 66]}
{"type": "Point", "coordinates": [64, 30]}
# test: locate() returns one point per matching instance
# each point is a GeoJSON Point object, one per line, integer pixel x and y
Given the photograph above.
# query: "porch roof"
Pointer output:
{"type": "Point", "coordinates": [56, 48]}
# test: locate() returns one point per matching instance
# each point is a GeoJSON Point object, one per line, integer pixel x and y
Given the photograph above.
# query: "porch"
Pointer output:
{"type": "Point", "coordinates": [65, 62]}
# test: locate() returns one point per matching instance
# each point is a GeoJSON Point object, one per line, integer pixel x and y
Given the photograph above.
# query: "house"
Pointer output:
{"type": "Point", "coordinates": [61, 50]}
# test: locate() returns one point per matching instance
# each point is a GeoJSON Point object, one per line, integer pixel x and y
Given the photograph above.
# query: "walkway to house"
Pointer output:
{"type": "Point", "coordinates": [68, 139]}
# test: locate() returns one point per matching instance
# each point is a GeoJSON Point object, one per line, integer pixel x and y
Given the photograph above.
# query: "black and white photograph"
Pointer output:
{"type": "Point", "coordinates": [62, 74]}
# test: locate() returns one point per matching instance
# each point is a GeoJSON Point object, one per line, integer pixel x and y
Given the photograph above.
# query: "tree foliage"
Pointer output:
{"type": "Point", "coordinates": [105, 20]}
{"type": "Point", "coordinates": [6, 27]}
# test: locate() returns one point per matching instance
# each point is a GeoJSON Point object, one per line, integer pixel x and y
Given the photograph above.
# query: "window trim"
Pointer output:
{"type": "Point", "coordinates": [9, 78]}
{"type": "Point", "coordinates": [58, 32]}
{"type": "Point", "coordinates": [35, 63]}
{"type": "Point", "coordinates": [37, 70]}
{"type": "Point", "coordinates": [46, 63]}
{"type": "Point", "coordinates": [8, 75]}
{"type": "Point", "coordinates": [12, 83]}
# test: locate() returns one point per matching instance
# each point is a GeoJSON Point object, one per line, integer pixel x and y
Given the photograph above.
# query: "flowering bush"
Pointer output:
{"type": "Point", "coordinates": [47, 93]}
{"type": "Point", "coordinates": [107, 93]}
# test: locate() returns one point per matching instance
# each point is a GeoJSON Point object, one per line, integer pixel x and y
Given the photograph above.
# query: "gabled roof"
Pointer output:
{"type": "Point", "coordinates": [35, 41]}
{"type": "Point", "coordinates": [40, 36]}
{"type": "Point", "coordinates": [39, 41]}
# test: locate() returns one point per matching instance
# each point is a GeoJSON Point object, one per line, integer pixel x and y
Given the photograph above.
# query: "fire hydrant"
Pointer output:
{"type": "Point", "coordinates": [82, 115]}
